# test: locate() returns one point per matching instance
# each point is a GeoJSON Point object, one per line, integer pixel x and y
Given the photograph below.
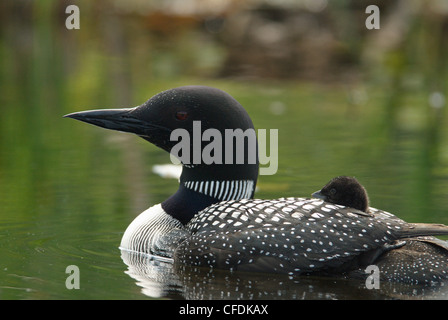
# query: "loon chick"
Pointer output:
{"type": "Point", "coordinates": [212, 219]}
{"type": "Point", "coordinates": [345, 191]}
{"type": "Point", "coordinates": [411, 259]}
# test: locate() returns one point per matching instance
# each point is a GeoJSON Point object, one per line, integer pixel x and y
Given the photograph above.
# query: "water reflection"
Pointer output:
{"type": "Point", "coordinates": [160, 278]}
{"type": "Point", "coordinates": [155, 275]}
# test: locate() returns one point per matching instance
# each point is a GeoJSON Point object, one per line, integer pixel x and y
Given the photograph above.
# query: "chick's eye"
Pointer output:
{"type": "Point", "coordinates": [181, 115]}
{"type": "Point", "coordinates": [332, 191]}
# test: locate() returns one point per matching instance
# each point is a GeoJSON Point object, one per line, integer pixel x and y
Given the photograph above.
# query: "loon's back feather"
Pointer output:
{"type": "Point", "coordinates": [289, 235]}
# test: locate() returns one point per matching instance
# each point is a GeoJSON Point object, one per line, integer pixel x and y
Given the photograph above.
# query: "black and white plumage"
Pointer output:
{"type": "Point", "coordinates": [223, 190]}
{"type": "Point", "coordinates": [422, 260]}
{"type": "Point", "coordinates": [292, 235]}
{"type": "Point", "coordinates": [212, 219]}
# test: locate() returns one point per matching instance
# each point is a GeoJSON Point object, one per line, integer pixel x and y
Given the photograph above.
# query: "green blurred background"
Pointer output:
{"type": "Point", "coordinates": [346, 100]}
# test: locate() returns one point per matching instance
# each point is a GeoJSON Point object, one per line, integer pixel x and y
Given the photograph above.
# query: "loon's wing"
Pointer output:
{"type": "Point", "coordinates": [292, 235]}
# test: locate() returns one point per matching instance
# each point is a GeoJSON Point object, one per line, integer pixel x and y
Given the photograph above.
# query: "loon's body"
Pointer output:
{"type": "Point", "coordinates": [212, 219]}
{"type": "Point", "coordinates": [290, 235]}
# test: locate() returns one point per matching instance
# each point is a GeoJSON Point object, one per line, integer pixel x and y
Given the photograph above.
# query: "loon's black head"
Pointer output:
{"type": "Point", "coordinates": [345, 191]}
{"type": "Point", "coordinates": [204, 113]}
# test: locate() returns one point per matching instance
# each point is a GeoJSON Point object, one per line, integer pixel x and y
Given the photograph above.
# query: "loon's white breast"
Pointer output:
{"type": "Point", "coordinates": [147, 228]}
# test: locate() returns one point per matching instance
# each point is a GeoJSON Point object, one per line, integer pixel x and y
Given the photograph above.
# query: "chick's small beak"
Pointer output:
{"type": "Point", "coordinates": [319, 195]}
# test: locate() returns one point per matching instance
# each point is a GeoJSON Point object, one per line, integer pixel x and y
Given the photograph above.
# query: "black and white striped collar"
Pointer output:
{"type": "Point", "coordinates": [194, 196]}
{"type": "Point", "coordinates": [223, 190]}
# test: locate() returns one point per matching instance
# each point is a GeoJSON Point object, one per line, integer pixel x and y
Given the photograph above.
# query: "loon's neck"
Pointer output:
{"type": "Point", "coordinates": [194, 196]}
{"type": "Point", "coordinates": [185, 203]}
{"type": "Point", "coordinates": [202, 186]}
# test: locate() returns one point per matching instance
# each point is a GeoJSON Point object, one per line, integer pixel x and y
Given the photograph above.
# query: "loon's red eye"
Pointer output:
{"type": "Point", "coordinates": [181, 115]}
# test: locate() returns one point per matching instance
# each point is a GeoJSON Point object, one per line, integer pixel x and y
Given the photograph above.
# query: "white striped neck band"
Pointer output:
{"type": "Point", "coordinates": [223, 190]}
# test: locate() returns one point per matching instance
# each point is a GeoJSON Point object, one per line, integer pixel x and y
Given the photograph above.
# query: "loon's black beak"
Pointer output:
{"type": "Point", "coordinates": [319, 195]}
{"type": "Point", "coordinates": [126, 120]}
{"type": "Point", "coordinates": [114, 119]}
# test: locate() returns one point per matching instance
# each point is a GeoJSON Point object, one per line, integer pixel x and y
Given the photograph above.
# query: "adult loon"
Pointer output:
{"type": "Point", "coordinates": [413, 260]}
{"type": "Point", "coordinates": [212, 219]}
